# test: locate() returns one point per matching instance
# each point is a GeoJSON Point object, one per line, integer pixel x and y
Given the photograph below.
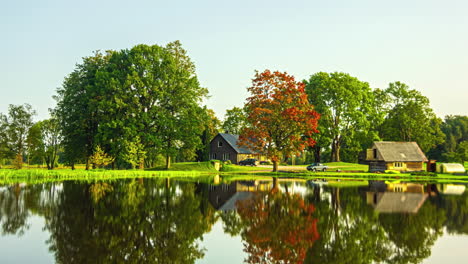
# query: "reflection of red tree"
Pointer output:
{"type": "Point", "coordinates": [278, 228]}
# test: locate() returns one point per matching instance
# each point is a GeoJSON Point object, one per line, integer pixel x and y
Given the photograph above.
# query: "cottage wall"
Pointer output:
{"type": "Point", "coordinates": [375, 166]}
{"type": "Point", "coordinates": [221, 150]}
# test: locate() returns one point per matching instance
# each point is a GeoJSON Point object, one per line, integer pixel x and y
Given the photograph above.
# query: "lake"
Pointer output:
{"type": "Point", "coordinates": [263, 220]}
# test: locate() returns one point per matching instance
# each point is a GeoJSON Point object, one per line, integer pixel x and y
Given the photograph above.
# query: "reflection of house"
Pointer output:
{"type": "Point", "coordinates": [396, 197]}
{"type": "Point", "coordinates": [396, 202]}
{"type": "Point", "coordinates": [224, 196]}
{"type": "Point", "coordinates": [225, 147]}
{"type": "Point", "coordinates": [400, 156]}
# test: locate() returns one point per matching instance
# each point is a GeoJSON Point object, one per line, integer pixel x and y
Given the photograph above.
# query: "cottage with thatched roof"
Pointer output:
{"type": "Point", "coordinates": [400, 156]}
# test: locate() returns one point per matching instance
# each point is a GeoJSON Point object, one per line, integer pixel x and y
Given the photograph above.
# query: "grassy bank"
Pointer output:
{"type": "Point", "coordinates": [348, 171]}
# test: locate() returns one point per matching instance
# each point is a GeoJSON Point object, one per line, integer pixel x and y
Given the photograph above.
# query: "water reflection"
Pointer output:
{"type": "Point", "coordinates": [278, 220]}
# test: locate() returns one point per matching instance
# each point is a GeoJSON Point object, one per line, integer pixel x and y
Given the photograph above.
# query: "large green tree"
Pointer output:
{"type": "Point", "coordinates": [133, 103]}
{"type": "Point", "coordinates": [78, 109]}
{"type": "Point", "coordinates": [346, 106]}
{"type": "Point", "coordinates": [410, 118]}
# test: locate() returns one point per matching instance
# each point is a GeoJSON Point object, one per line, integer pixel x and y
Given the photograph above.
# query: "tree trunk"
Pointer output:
{"type": "Point", "coordinates": [168, 162]}
{"type": "Point", "coordinates": [335, 155]}
{"type": "Point", "coordinates": [275, 166]}
{"type": "Point", "coordinates": [317, 153]}
{"type": "Point", "coordinates": [87, 163]}
{"type": "Point", "coordinates": [73, 166]}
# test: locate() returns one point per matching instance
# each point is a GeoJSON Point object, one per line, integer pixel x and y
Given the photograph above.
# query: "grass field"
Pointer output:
{"type": "Point", "coordinates": [348, 171]}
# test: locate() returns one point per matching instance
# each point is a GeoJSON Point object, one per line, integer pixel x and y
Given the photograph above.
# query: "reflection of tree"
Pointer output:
{"type": "Point", "coordinates": [413, 235]}
{"type": "Point", "coordinates": [232, 223]}
{"type": "Point", "coordinates": [277, 228]}
{"type": "Point", "coordinates": [456, 208]}
{"type": "Point", "coordinates": [349, 230]}
{"type": "Point", "coordinates": [137, 222]}
{"type": "Point", "coordinates": [17, 202]}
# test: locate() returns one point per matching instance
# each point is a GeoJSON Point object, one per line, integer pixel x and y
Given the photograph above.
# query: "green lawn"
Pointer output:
{"type": "Point", "coordinates": [345, 166]}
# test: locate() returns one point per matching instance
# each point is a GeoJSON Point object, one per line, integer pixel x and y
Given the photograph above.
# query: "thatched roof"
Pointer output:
{"type": "Point", "coordinates": [391, 151]}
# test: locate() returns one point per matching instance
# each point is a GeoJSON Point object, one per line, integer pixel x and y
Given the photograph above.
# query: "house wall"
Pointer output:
{"type": "Point", "coordinates": [375, 166]}
{"type": "Point", "coordinates": [226, 152]}
{"type": "Point", "coordinates": [222, 151]}
{"type": "Point", "coordinates": [373, 154]}
{"type": "Point", "coordinates": [405, 166]}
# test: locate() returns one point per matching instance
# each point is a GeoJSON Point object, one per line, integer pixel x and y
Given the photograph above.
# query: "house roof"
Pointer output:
{"type": "Point", "coordinates": [232, 140]}
{"type": "Point", "coordinates": [400, 151]}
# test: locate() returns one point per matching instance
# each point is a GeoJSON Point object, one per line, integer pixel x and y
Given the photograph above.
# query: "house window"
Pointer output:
{"type": "Point", "coordinates": [398, 164]}
{"type": "Point", "coordinates": [220, 144]}
{"type": "Point", "coordinates": [213, 156]}
{"type": "Point", "coordinates": [225, 156]}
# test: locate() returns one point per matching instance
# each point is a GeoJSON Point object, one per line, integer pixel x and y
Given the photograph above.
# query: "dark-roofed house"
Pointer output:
{"type": "Point", "coordinates": [224, 147]}
{"type": "Point", "coordinates": [400, 156]}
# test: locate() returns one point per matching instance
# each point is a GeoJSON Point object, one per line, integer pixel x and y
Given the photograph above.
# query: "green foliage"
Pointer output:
{"type": "Point", "coordinates": [14, 129]}
{"type": "Point", "coordinates": [346, 106]}
{"type": "Point", "coordinates": [410, 118]}
{"type": "Point", "coordinates": [235, 120]}
{"type": "Point", "coordinates": [134, 103]}
{"type": "Point", "coordinates": [134, 154]}
{"type": "Point", "coordinates": [211, 127]}
{"type": "Point", "coordinates": [99, 158]}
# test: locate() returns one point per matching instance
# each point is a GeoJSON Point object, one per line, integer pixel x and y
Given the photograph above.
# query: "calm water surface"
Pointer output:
{"type": "Point", "coordinates": [262, 221]}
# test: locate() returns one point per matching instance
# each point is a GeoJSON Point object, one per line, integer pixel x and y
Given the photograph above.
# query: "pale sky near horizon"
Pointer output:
{"type": "Point", "coordinates": [422, 43]}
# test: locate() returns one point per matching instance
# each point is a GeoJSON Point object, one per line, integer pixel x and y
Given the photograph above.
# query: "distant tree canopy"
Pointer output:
{"type": "Point", "coordinates": [132, 103]}
{"type": "Point", "coordinates": [14, 129]}
{"type": "Point", "coordinates": [234, 120]}
{"type": "Point", "coordinates": [455, 144]}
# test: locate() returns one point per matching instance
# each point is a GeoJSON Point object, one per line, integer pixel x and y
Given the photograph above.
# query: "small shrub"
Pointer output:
{"type": "Point", "coordinates": [392, 172]}
{"type": "Point", "coordinates": [227, 162]}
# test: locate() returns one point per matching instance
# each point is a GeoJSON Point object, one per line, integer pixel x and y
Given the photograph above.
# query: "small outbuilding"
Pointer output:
{"type": "Point", "coordinates": [399, 156]}
{"type": "Point", "coordinates": [450, 168]}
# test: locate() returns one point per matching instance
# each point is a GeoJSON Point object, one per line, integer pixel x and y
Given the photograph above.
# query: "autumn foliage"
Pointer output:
{"type": "Point", "coordinates": [279, 228]}
{"type": "Point", "coordinates": [281, 122]}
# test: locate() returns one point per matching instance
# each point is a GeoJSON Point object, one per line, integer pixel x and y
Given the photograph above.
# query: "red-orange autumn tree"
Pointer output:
{"type": "Point", "coordinates": [280, 120]}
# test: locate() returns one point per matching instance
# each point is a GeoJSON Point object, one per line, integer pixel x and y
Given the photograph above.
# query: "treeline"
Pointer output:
{"type": "Point", "coordinates": [143, 107]}
{"type": "Point", "coordinates": [353, 116]}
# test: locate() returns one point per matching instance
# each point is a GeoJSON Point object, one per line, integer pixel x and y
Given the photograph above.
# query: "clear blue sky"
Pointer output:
{"type": "Point", "coordinates": [423, 43]}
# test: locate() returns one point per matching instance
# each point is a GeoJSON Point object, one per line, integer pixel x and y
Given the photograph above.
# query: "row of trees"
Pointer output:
{"type": "Point", "coordinates": [352, 116]}
{"type": "Point", "coordinates": [135, 107]}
